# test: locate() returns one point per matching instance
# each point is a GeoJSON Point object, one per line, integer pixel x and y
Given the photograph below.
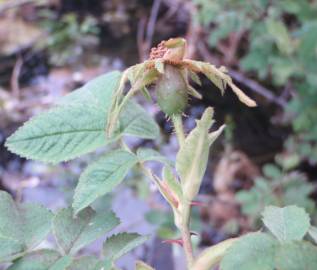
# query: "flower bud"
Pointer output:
{"type": "Point", "coordinates": [171, 91]}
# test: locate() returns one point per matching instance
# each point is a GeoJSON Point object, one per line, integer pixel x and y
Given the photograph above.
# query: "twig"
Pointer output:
{"type": "Point", "coordinates": [151, 24]}
{"type": "Point", "coordinates": [15, 78]}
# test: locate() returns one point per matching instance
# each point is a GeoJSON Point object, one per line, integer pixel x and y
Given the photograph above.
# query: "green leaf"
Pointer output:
{"type": "Point", "coordinates": [250, 252]}
{"type": "Point", "coordinates": [62, 264]}
{"type": "Point", "coordinates": [122, 243]}
{"type": "Point", "coordinates": [142, 266]}
{"type": "Point", "coordinates": [296, 256]}
{"type": "Point", "coordinates": [37, 260]}
{"type": "Point", "coordinates": [313, 233]}
{"type": "Point", "coordinates": [86, 263]}
{"type": "Point", "coordinates": [21, 226]}
{"type": "Point", "coordinates": [77, 125]}
{"type": "Point", "coordinates": [148, 154]}
{"type": "Point", "coordinates": [191, 160]}
{"type": "Point", "coordinates": [73, 233]}
{"type": "Point", "coordinates": [287, 223]}
{"type": "Point", "coordinates": [102, 176]}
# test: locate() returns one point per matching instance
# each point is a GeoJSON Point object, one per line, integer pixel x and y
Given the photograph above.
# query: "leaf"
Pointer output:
{"type": "Point", "coordinates": [250, 252]}
{"type": "Point", "coordinates": [73, 233]}
{"type": "Point", "coordinates": [191, 160]}
{"type": "Point", "coordinates": [102, 176]}
{"type": "Point", "coordinates": [37, 260]}
{"type": "Point", "coordinates": [21, 226]}
{"type": "Point", "coordinates": [212, 256]}
{"type": "Point", "coordinates": [86, 263]}
{"type": "Point", "coordinates": [288, 223]}
{"type": "Point", "coordinates": [122, 243]}
{"type": "Point", "coordinates": [172, 182]}
{"type": "Point", "coordinates": [296, 256]}
{"type": "Point", "coordinates": [76, 126]}
{"type": "Point", "coordinates": [313, 233]}
{"type": "Point", "coordinates": [62, 263]}
{"type": "Point", "coordinates": [148, 154]}
{"type": "Point", "coordinates": [143, 266]}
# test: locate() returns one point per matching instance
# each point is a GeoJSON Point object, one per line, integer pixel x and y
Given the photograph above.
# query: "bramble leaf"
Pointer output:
{"type": "Point", "coordinates": [62, 264]}
{"type": "Point", "coordinates": [288, 223]}
{"type": "Point", "coordinates": [250, 252]}
{"type": "Point", "coordinates": [120, 244]}
{"type": "Point", "coordinates": [102, 176]}
{"type": "Point", "coordinates": [73, 233]}
{"type": "Point", "coordinates": [21, 226]}
{"type": "Point", "coordinates": [86, 263]}
{"type": "Point", "coordinates": [296, 256]}
{"type": "Point", "coordinates": [77, 124]}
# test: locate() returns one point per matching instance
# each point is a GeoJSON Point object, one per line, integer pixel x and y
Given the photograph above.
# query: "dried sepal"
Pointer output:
{"type": "Point", "coordinates": [194, 77]}
{"type": "Point", "coordinates": [220, 78]}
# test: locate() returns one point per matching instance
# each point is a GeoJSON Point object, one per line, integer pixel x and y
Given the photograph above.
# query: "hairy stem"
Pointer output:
{"type": "Point", "coordinates": [185, 205]}
{"type": "Point", "coordinates": [186, 237]}
{"type": "Point", "coordinates": [178, 125]}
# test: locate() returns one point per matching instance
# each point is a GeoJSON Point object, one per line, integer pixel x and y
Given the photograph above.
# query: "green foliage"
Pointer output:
{"type": "Point", "coordinates": [76, 126]}
{"type": "Point", "coordinates": [284, 250]}
{"type": "Point", "coordinates": [74, 232]}
{"type": "Point", "coordinates": [280, 186]}
{"type": "Point", "coordinates": [68, 36]}
{"type": "Point", "coordinates": [102, 176]}
{"type": "Point", "coordinates": [282, 38]}
{"type": "Point", "coordinates": [24, 226]}
{"type": "Point", "coordinates": [191, 160]}
{"type": "Point", "coordinates": [253, 251]}
{"type": "Point", "coordinates": [286, 224]}
{"type": "Point", "coordinates": [120, 244]}
{"type": "Point", "coordinates": [21, 227]}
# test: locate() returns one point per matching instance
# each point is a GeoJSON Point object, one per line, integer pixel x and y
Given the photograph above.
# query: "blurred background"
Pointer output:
{"type": "Point", "coordinates": [267, 155]}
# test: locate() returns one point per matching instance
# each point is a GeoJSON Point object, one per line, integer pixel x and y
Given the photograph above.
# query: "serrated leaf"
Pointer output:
{"type": "Point", "coordinates": [77, 125]}
{"type": "Point", "coordinates": [191, 160]}
{"type": "Point", "coordinates": [62, 263]}
{"type": "Point", "coordinates": [313, 233]}
{"type": "Point", "coordinates": [250, 252]}
{"type": "Point", "coordinates": [120, 244]}
{"type": "Point", "coordinates": [288, 223]}
{"type": "Point", "coordinates": [21, 226]}
{"type": "Point", "coordinates": [296, 256]}
{"type": "Point", "coordinates": [73, 233]}
{"type": "Point", "coordinates": [142, 266]}
{"type": "Point", "coordinates": [148, 154]}
{"type": "Point", "coordinates": [102, 176]}
{"type": "Point", "coordinates": [37, 260]}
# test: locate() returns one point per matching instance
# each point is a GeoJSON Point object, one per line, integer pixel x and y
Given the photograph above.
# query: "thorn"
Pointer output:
{"type": "Point", "coordinates": [194, 233]}
{"type": "Point", "coordinates": [196, 203]}
{"type": "Point", "coordinates": [173, 241]}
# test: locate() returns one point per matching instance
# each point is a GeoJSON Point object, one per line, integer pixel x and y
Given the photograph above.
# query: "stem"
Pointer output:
{"type": "Point", "coordinates": [186, 237]}
{"type": "Point", "coordinates": [178, 125]}
{"type": "Point", "coordinates": [185, 205]}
